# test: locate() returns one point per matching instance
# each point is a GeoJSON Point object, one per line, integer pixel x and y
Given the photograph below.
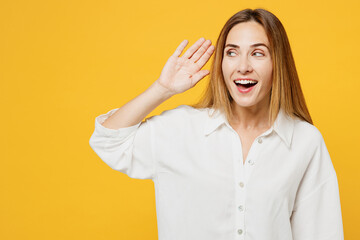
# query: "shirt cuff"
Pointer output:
{"type": "Point", "coordinates": [108, 132]}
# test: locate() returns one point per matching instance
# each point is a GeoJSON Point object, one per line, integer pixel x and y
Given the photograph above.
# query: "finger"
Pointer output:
{"type": "Point", "coordinates": [205, 57]}
{"type": "Point", "coordinates": [194, 47]}
{"type": "Point", "coordinates": [180, 48]}
{"type": "Point", "coordinates": [198, 76]}
{"type": "Point", "coordinates": [201, 51]}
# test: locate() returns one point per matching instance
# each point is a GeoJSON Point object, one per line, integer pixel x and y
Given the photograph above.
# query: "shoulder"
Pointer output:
{"type": "Point", "coordinates": [310, 143]}
{"type": "Point", "coordinates": [184, 111]}
{"type": "Point", "coordinates": [180, 116]}
{"type": "Point", "coordinates": [178, 124]}
{"type": "Point", "coordinates": [307, 129]}
{"type": "Point", "coordinates": [307, 134]}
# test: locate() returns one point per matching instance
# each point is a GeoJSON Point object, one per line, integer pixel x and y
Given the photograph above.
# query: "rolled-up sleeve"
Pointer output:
{"type": "Point", "coordinates": [128, 150]}
{"type": "Point", "coordinates": [317, 210]}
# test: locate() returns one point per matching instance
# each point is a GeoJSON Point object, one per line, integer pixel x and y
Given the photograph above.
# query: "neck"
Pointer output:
{"type": "Point", "coordinates": [254, 117]}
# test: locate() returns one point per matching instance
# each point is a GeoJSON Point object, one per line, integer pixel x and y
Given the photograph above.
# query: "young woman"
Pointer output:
{"type": "Point", "coordinates": [246, 161]}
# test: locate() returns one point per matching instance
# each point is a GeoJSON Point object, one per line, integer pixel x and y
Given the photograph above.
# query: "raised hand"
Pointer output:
{"type": "Point", "coordinates": [182, 73]}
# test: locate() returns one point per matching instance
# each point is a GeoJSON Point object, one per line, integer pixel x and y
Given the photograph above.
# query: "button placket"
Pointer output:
{"type": "Point", "coordinates": [240, 173]}
{"type": "Point", "coordinates": [241, 209]}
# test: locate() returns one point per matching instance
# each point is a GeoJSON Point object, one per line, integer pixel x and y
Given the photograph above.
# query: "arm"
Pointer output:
{"type": "Point", "coordinates": [125, 143]}
{"type": "Point", "coordinates": [178, 75]}
{"type": "Point", "coordinates": [317, 211]}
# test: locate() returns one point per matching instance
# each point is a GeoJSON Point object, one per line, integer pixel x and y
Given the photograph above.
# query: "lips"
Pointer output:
{"type": "Point", "coordinates": [245, 83]}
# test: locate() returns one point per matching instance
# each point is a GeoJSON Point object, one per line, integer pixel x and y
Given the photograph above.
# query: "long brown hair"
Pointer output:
{"type": "Point", "coordinates": [286, 93]}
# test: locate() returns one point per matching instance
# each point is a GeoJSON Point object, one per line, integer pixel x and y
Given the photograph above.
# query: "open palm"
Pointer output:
{"type": "Point", "coordinates": [182, 73]}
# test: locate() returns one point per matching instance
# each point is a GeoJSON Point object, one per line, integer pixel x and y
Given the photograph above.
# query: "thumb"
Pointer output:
{"type": "Point", "coordinates": [198, 76]}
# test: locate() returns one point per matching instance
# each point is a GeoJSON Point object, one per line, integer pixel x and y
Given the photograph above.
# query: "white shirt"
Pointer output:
{"type": "Point", "coordinates": [287, 189]}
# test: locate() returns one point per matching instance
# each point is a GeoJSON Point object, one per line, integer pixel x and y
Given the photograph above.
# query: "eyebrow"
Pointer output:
{"type": "Point", "coordinates": [253, 45]}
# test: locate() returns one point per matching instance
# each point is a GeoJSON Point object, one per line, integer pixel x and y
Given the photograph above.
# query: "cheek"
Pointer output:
{"type": "Point", "coordinates": [226, 68]}
{"type": "Point", "coordinates": [226, 73]}
{"type": "Point", "coordinates": [266, 72]}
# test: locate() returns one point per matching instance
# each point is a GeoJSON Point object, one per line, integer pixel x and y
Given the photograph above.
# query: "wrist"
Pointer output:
{"type": "Point", "coordinates": [161, 91]}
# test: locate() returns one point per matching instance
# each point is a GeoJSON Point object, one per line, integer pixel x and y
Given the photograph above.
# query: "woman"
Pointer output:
{"type": "Point", "coordinates": [246, 161]}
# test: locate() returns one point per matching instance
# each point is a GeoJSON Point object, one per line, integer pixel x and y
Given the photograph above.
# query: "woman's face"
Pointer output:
{"type": "Point", "coordinates": [247, 65]}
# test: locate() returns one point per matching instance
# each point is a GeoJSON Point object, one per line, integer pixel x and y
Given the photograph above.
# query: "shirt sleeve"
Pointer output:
{"type": "Point", "coordinates": [317, 210]}
{"type": "Point", "coordinates": [128, 150]}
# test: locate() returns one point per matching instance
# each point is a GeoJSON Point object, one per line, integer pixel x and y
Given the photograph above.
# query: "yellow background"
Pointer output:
{"type": "Point", "coordinates": [62, 63]}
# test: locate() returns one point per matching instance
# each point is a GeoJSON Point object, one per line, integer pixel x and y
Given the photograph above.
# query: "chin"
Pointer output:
{"type": "Point", "coordinates": [243, 104]}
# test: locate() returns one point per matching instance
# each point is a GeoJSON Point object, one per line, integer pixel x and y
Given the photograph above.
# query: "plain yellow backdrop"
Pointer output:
{"type": "Point", "coordinates": [62, 63]}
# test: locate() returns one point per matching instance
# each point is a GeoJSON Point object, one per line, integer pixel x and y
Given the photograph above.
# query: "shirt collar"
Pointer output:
{"type": "Point", "coordinates": [283, 125]}
{"type": "Point", "coordinates": [214, 121]}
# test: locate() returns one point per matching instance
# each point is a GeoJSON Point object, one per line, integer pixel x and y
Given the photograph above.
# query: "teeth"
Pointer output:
{"type": "Point", "coordinates": [245, 81]}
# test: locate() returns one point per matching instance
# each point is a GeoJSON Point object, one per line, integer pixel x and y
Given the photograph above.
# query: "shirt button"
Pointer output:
{"type": "Point", "coordinates": [241, 208]}
{"type": "Point", "coordinates": [260, 140]}
{"type": "Point", "coordinates": [241, 184]}
{"type": "Point", "coordinates": [251, 162]}
{"type": "Point", "coordinates": [240, 231]}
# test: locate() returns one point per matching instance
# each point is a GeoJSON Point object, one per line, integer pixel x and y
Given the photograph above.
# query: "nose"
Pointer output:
{"type": "Point", "coordinates": [244, 65]}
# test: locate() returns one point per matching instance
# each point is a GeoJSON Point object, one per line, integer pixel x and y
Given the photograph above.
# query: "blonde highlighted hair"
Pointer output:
{"type": "Point", "coordinates": [286, 93]}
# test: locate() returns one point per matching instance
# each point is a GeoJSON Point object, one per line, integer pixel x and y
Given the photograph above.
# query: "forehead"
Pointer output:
{"type": "Point", "coordinates": [247, 33]}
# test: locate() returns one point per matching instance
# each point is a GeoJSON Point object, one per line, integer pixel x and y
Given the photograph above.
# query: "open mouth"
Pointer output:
{"type": "Point", "coordinates": [244, 84]}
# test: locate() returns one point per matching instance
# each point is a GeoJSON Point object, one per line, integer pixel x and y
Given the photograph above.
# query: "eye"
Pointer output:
{"type": "Point", "coordinates": [229, 52]}
{"type": "Point", "coordinates": [261, 54]}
